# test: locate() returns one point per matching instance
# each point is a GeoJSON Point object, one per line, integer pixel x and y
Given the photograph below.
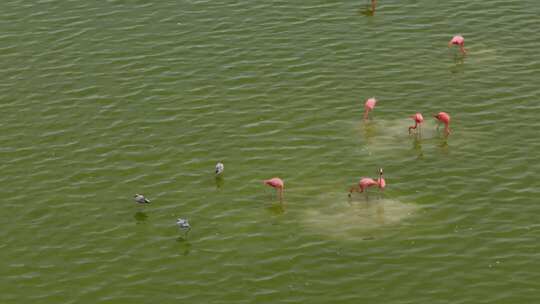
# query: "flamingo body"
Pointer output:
{"type": "Point", "coordinates": [366, 182]}
{"type": "Point", "coordinates": [445, 119]}
{"type": "Point", "coordinates": [369, 106]}
{"type": "Point", "coordinates": [276, 183]}
{"type": "Point", "coordinates": [459, 41]}
{"type": "Point", "coordinates": [418, 119]}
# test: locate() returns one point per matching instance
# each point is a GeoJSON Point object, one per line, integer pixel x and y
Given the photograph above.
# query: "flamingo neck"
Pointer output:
{"type": "Point", "coordinates": [413, 127]}
{"type": "Point", "coordinates": [447, 128]}
{"type": "Point", "coordinates": [381, 183]}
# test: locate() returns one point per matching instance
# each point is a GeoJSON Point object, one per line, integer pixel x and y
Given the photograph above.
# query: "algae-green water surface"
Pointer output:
{"type": "Point", "coordinates": [104, 99]}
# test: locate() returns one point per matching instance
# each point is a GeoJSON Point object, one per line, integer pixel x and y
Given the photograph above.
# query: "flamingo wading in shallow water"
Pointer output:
{"type": "Point", "coordinates": [445, 119]}
{"type": "Point", "coordinates": [276, 183]}
{"type": "Point", "coordinates": [418, 119]}
{"type": "Point", "coordinates": [460, 41]}
{"type": "Point", "coordinates": [369, 106]}
{"type": "Point", "coordinates": [366, 182]}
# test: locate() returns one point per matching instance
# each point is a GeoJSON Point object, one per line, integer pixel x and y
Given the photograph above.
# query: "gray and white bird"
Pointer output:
{"type": "Point", "coordinates": [219, 168]}
{"type": "Point", "coordinates": [139, 198]}
{"type": "Point", "coordinates": [183, 224]}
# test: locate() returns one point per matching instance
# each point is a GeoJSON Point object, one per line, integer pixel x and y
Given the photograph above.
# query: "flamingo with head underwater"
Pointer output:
{"type": "Point", "coordinates": [418, 120]}
{"type": "Point", "coordinates": [276, 183]}
{"type": "Point", "coordinates": [445, 119]}
{"type": "Point", "coordinates": [459, 41]}
{"type": "Point", "coordinates": [369, 106]}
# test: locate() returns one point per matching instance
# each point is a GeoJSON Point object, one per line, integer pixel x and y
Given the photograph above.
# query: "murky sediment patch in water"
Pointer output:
{"type": "Point", "coordinates": [357, 218]}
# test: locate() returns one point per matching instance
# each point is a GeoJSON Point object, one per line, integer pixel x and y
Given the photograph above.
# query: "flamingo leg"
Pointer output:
{"type": "Point", "coordinates": [446, 130]}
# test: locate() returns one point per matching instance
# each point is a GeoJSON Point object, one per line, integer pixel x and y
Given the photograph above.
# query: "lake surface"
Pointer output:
{"type": "Point", "coordinates": [105, 99]}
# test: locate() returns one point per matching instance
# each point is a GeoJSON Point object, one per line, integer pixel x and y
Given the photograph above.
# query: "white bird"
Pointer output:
{"type": "Point", "coordinates": [183, 224]}
{"type": "Point", "coordinates": [139, 198]}
{"type": "Point", "coordinates": [219, 168]}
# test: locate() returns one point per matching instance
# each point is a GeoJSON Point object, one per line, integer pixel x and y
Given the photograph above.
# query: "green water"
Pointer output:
{"type": "Point", "coordinates": [102, 100]}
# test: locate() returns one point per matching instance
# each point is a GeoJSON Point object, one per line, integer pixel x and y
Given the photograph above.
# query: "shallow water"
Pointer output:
{"type": "Point", "coordinates": [104, 100]}
{"type": "Point", "coordinates": [358, 218]}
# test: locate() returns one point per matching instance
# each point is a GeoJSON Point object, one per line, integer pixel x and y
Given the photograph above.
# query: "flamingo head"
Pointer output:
{"type": "Point", "coordinates": [380, 180]}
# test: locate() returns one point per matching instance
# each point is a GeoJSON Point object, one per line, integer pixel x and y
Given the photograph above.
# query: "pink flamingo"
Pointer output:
{"type": "Point", "coordinates": [369, 106]}
{"type": "Point", "coordinates": [366, 182]}
{"type": "Point", "coordinates": [458, 40]}
{"type": "Point", "coordinates": [418, 119]}
{"type": "Point", "coordinates": [445, 119]}
{"type": "Point", "coordinates": [276, 183]}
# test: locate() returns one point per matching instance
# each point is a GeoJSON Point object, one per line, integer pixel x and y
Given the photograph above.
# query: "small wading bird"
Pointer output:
{"type": "Point", "coordinates": [366, 182]}
{"type": "Point", "coordinates": [139, 198]}
{"type": "Point", "coordinates": [460, 41]}
{"type": "Point", "coordinates": [183, 225]}
{"type": "Point", "coordinates": [219, 168]}
{"type": "Point", "coordinates": [445, 119]}
{"type": "Point", "coordinates": [276, 183]}
{"type": "Point", "coordinates": [418, 119]}
{"type": "Point", "coordinates": [369, 106]}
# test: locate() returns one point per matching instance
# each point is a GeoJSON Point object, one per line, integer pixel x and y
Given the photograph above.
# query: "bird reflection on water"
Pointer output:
{"type": "Point", "coordinates": [277, 209]}
{"type": "Point", "coordinates": [140, 216]}
{"type": "Point", "coordinates": [219, 181]}
{"type": "Point", "coordinates": [417, 146]}
{"type": "Point", "coordinates": [185, 245]}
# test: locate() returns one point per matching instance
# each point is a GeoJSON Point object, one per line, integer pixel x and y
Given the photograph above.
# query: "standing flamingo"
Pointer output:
{"type": "Point", "coordinates": [458, 40]}
{"type": "Point", "coordinates": [369, 106]}
{"type": "Point", "coordinates": [418, 119]}
{"type": "Point", "coordinates": [445, 119]}
{"type": "Point", "coordinates": [276, 183]}
{"type": "Point", "coordinates": [366, 182]}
